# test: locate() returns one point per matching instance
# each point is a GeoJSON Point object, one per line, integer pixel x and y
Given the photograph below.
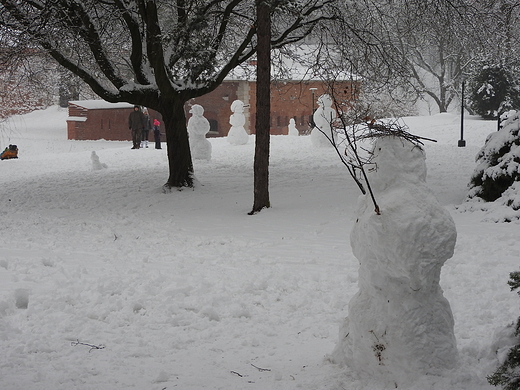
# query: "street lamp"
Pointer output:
{"type": "Point", "coordinates": [462, 143]}
{"type": "Point", "coordinates": [313, 90]}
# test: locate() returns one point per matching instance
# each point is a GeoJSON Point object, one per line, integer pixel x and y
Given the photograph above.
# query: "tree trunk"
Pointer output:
{"type": "Point", "coordinates": [263, 108]}
{"type": "Point", "coordinates": [179, 155]}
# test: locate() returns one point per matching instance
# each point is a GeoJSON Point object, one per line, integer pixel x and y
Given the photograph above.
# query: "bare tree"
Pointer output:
{"type": "Point", "coordinates": [505, 16]}
{"type": "Point", "coordinates": [438, 46]}
{"type": "Point", "coordinates": [157, 54]}
{"type": "Point", "coordinates": [28, 77]}
{"type": "Point", "coordinates": [409, 49]}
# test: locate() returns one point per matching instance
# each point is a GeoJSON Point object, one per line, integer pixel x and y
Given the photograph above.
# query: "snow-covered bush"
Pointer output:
{"type": "Point", "coordinates": [508, 373]}
{"type": "Point", "coordinates": [493, 90]}
{"type": "Point", "coordinates": [497, 176]}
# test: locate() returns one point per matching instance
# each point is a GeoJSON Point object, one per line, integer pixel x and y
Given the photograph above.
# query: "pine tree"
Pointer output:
{"type": "Point", "coordinates": [508, 373]}
{"type": "Point", "coordinates": [494, 91]}
{"type": "Point", "coordinates": [498, 163]}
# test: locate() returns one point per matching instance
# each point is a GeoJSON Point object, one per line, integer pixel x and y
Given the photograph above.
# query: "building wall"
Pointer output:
{"type": "Point", "coordinates": [297, 99]}
{"type": "Point", "coordinates": [109, 124]}
{"type": "Point", "coordinates": [104, 123]}
{"type": "Point", "coordinates": [217, 107]}
{"type": "Point", "coordinates": [288, 100]}
{"type": "Point", "coordinates": [76, 128]}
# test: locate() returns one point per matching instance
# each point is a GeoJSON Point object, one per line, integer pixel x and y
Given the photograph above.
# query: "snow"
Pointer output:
{"type": "Point", "coordinates": [107, 282]}
{"type": "Point", "coordinates": [100, 104]}
{"type": "Point", "coordinates": [295, 66]}
{"type": "Point", "coordinates": [77, 118]}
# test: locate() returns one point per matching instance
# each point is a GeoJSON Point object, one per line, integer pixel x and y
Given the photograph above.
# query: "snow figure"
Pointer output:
{"type": "Point", "coordinates": [198, 127]}
{"type": "Point", "coordinates": [237, 134]}
{"type": "Point", "coordinates": [292, 128]}
{"type": "Point", "coordinates": [399, 324]}
{"type": "Point", "coordinates": [96, 164]}
{"type": "Point", "coordinates": [323, 117]}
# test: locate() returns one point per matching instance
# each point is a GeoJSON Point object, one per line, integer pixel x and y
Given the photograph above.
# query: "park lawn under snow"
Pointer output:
{"type": "Point", "coordinates": [106, 282]}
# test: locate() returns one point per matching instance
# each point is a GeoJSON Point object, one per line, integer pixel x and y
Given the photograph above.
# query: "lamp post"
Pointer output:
{"type": "Point", "coordinates": [462, 142]}
{"type": "Point", "coordinates": [313, 90]}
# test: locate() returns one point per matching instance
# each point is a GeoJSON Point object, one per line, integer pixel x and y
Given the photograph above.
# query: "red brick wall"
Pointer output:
{"type": "Point", "coordinates": [288, 100]}
{"type": "Point", "coordinates": [296, 100]}
{"type": "Point", "coordinates": [109, 124]}
{"type": "Point", "coordinates": [76, 129]}
{"type": "Point", "coordinates": [217, 107]}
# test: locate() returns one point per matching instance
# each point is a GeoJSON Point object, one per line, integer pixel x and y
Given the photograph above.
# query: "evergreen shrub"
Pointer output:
{"type": "Point", "coordinates": [498, 168]}
{"type": "Point", "coordinates": [494, 90]}
{"type": "Point", "coordinates": [508, 373]}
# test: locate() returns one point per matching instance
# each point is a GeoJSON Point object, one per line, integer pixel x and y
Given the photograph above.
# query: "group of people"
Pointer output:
{"type": "Point", "coordinates": [140, 124]}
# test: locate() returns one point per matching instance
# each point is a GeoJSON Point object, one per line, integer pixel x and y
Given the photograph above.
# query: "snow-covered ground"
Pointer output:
{"type": "Point", "coordinates": [108, 283]}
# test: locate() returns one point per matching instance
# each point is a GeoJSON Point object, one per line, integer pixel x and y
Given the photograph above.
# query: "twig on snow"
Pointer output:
{"type": "Point", "coordinates": [92, 346]}
{"type": "Point", "coordinates": [261, 369]}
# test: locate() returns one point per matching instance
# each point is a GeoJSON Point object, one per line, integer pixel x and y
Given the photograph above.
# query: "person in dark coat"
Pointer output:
{"type": "Point", "coordinates": [157, 133]}
{"type": "Point", "coordinates": [146, 130]}
{"type": "Point", "coordinates": [136, 123]}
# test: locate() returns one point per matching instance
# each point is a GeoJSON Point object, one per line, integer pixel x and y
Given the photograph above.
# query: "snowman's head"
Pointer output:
{"type": "Point", "coordinates": [197, 110]}
{"type": "Point", "coordinates": [325, 101]}
{"type": "Point", "coordinates": [237, 106]}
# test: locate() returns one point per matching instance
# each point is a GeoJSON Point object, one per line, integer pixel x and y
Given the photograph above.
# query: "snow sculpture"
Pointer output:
{"type": "Point", "coordinates": [399, 324]}
{"type": "Point", "coordinates": [198, 127]}
{"type": "Point", "coordinates": [96, 164]}
{"type": "Point", "coordinates": [323, 118]}
{"type": "Point", "coordinates": [292, 128]}
{"type": "Point", "coordinates": [237, 134]}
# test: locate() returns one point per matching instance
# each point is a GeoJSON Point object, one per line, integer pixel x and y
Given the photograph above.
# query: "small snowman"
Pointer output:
{"type": "Point", "coordinates": [237, 134]}
{"type": "Point", "coordinates": [198, 127]}
{"type": "Point", "coordinates": [292, 128]}
{"type": "Point", "coordinates": [96, 164]}
{"type": "Point", "coordinates": [323, 118]}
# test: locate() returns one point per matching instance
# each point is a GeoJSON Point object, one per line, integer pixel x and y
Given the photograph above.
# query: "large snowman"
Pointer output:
{"type": "Point", "coordinates": [198, 127]}
{"type": "Point", "coordinates": [237, 135]}
{"type": "Point", "coordinates": [399, 324]}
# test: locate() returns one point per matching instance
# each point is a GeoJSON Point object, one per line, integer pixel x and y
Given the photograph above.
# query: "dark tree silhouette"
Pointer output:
{"type": "Point", "coordinates": [263, 108]}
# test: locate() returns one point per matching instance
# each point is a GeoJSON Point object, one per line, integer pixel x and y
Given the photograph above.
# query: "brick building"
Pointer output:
{"type": "Point", "coordinates": [97, 119]}
{"type": "Point", "coordinates": [289, 99]}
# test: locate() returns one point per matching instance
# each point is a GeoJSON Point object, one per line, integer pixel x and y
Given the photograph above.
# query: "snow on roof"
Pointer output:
{"type": "Point", "coordinates": [301, 65]}
{"type": "Point", "coordinates": [99, 104]}
{"type": "Point", "coordinates": [77, 119]}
